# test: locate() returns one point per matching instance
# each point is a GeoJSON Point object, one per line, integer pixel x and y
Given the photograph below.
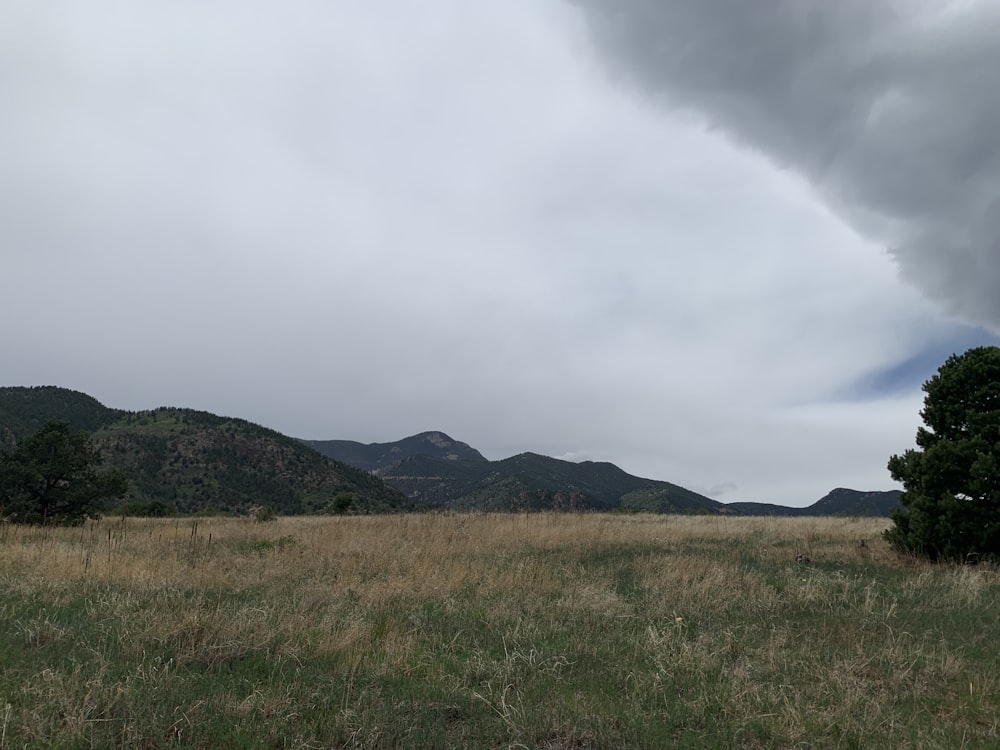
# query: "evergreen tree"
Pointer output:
{"type": "Point", "coordinates": [52, 477]}
{"type": "Point", "coordinates": [951, 498]}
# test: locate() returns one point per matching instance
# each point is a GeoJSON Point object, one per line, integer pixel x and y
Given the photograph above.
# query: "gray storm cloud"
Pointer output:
{"type": "Point", "coordinates": [890, 109]}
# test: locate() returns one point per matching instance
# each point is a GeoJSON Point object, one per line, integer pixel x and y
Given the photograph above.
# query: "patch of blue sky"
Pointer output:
{"type": "Point", "coordinates": [911, 373]}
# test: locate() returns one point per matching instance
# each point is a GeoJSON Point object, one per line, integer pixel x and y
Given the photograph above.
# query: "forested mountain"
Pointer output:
{"type": "Point", "coordinates": [532, 482]}
{"type": "Point", "coordinates": [23, 411]}
{"type": "Point", "coordinates": [429, 469]}
{"type": "Point", "coordinates": [845, 502]}
{"type": "Point", "coordinates": [435, 470]}
{"type": "Point", "coordinates": [195, 461]}
{"type": "Point", "coordinates": [376, 456]}
{"type": "Point", "coordinates": [839, 502]}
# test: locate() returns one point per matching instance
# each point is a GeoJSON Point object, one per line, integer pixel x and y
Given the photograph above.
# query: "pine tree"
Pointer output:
{"type": "Point", "coordinates": [52, 478]}
{"type": "Point", "coordinates": [951, 498]}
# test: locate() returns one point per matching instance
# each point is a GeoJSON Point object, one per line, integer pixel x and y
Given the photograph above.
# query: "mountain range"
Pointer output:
{"type": "Point", "coordinates": [194, 461]}
{"type": "Point", "coordinates": [434, 470]}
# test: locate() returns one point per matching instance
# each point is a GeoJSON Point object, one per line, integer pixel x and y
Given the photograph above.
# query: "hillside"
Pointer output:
{"type": "Point", "coordinates": [839, 502]}
{"type": "Point", "coordinates": [200, 462]}
{"type": "Point", "coordinates": [532, 482]}
{"type": "Point", "coordinates": [437, 471]}
{"type": "Point", "coordinates": [434, 470]}
{"type": "Point", "coordinates": [377, 456]}
{"type": "Point", "coordinates": [197, 462]}
{"type": "Point", "coordinates": [24, 410]}
{"type": "Point", "coordinates": [845, 502]}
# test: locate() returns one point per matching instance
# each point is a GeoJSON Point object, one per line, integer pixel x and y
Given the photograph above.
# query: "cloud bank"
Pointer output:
{"type": "Point", "coordinates": [366, 220]}
{"type": "Point", "coordinates": [889, 109]}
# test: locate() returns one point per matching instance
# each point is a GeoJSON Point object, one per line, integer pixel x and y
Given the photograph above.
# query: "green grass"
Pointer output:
{"type": "Point", "coordinates": [539, 631]}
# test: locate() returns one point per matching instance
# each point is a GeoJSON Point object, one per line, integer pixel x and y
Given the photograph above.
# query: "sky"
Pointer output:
{"type": "Point", "coordinates": [714, 242]}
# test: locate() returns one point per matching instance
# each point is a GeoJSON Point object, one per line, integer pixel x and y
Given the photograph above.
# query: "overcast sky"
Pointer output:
{"type": "Point", "coordinates": [715, 242]}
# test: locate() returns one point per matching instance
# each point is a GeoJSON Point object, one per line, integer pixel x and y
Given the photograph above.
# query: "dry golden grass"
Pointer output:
{"type": "Point", "coordinates": [541, 630]}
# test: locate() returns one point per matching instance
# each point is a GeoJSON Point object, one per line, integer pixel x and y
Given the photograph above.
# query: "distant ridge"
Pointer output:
{"type": "Point", "coordinates": [376, 456]}
{"type": "Point", "coordinates": [435, 471]}
{"type": "Point", "coordinates": [838, 502]}
{"type": "Point", "coordinates": [199, 462]}
{"type": "Point", "coordinates": [845, 502]}
{"type": "Point", "coordinates": [529, 481]}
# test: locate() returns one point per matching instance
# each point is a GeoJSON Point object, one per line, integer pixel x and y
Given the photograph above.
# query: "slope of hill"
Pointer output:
{"type": "Point", "coordinates": [839, 502]}
{"type": "Point", "coordinates": [760, 509]}
{"type": "Point", "coordinates": [435, 470]}
{"type": "Point", "coordinates": [197, 460]}
{"type": "Point", "coordinates": [23, 411]}
{"type": "Point", "coordinates": [844, 502]}
{"type": "Point", "coordinates": [376, 456]}
{"type": "Point", "coordinates": [200, 462]}
{"type": "Point", "coordinates": [532, 482]}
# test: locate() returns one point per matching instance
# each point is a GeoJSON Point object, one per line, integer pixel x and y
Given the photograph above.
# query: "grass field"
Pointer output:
{"type": "Point", "coordinates": [491, 631]}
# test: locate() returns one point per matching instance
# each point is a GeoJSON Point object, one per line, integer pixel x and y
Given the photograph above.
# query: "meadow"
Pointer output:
{"type": "Point", "coordinates": [491, 631]}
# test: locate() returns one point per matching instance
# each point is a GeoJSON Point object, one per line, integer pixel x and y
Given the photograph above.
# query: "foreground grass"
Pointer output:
{"type": "Point", "coordinates": [536, 631]}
